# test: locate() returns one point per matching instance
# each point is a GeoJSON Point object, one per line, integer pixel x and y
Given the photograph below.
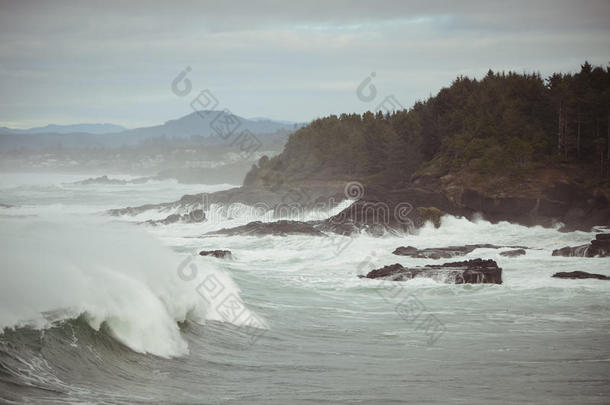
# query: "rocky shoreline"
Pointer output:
{"type": "Point", "coordinates": [277, 228]}
{"type": "Point", "coordinates": [376, 212]}
{"type": "Point", "coordinates": [378, 209]}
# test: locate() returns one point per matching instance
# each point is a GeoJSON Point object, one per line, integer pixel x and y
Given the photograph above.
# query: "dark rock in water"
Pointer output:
{"type": "Point", "coordinates": [483, 263]}
{"type": "Point", "coordinates": [170, 219]}
{"type": "Point", "coordinates": [278, 228]}
{"type": "Point", "coordinates": [220, 254]}
{"type": "Point", "coordinates": [192, 217]}
{"type": "Point", "coordinates": [407, 251]}
{"type": "Point", "coordinates": [580, 274]}
{"type": "Point", "coordinates": [513, 253]}
{"type": "Point", "coordinates": [107, 180]}
{"type": "Point", "coordinates": [196, 215]}
{"type": "Point", "coordinates": [100, 180]}
{"type": "Point", "coordinates": [375, 217]}
{"type": "Point", "coordinates": [569, 251]}
{"type": "Point", "coordinates": [434, 253]}
{"type": "Point", "coordinates": [381, 210]}
{"type": "Point", "coordinates": [444, 252]}
{"type": "Point", "coordinates": [392, 270]}
{"type": "Point", "coordinates": [476, 271]}
{"type": "Point", "coordinates": [599, 247]}
{"type": "Point", "coordinates": [5, 205]}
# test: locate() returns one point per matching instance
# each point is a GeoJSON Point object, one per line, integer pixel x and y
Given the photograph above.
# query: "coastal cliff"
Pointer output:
{"type": "Point", "coordinates": [510, 147]}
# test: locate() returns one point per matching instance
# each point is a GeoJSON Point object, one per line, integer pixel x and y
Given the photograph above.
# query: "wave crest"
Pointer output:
{"type": "Point", "coordinates": [113, 274]}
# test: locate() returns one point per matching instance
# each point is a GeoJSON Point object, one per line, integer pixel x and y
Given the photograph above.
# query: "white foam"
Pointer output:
{"type": "Point", "coordinates": [113, 273]}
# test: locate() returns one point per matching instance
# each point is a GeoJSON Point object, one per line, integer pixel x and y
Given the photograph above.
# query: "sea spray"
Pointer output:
{"type": "Point", "coordinates": [115, 274]}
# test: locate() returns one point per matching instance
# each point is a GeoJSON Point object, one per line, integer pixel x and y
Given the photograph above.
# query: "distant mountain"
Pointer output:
{"type": "Point", "coordinates": [67, 129]}
{"type": "Point", "coordinates": [211, 127]}
{"type": "Point", "coordinates": [208, 123]}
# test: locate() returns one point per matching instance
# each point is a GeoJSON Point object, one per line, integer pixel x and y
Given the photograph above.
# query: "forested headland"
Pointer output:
{"type": "Point", "coordinates": [506, 132]}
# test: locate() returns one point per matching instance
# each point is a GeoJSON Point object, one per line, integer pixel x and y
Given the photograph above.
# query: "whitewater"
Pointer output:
{"type": "Point", "coordinates": [103, 309]}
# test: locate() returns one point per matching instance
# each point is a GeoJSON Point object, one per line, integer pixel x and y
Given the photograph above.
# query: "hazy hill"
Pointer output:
{"type": "Point", "coordinates": [210, 124]}
{"type": "Point", "coordinates": [204, 126]}
{"type": "Point", "coordinates": [66, 129]}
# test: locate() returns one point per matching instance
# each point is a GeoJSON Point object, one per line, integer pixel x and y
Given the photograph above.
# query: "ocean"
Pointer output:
{"type": "Point", "coordinates": [112, 310]}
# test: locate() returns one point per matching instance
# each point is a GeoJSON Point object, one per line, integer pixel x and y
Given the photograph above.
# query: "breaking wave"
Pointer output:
{"type": "Point", "coordinates": [111, 276]}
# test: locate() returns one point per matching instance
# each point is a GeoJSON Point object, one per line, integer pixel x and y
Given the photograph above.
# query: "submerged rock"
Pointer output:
{"type": "Point", "coordinates": [475, 271]}
{"type": "Point", "coordinates": [220, 254]}
{"type": "Point", "coordinates": [278, 228]}
{"type": "Point", "coordinates": [579, 275]}
{"type": "Point", "coordinates": [599, 247]}
{"type": "Point", "coordinates": [513, 253]}
{"type": "Point", "coordinates": [444, 252]}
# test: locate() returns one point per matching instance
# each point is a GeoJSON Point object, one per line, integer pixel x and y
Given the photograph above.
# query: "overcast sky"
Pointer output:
{"type": "Point", "coordinates": [69, 62]}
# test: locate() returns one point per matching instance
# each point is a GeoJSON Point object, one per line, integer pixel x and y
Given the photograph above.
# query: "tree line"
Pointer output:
{"type": "Point", "coordinates": [503, 123]}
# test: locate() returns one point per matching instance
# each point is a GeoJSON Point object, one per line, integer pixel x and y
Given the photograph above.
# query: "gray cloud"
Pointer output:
{"type": "Point", "coordinates": [113, 61]}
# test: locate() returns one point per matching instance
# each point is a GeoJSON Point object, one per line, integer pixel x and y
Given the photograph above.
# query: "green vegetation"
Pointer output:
{"type": "Point", "coordinates": [503, 125]}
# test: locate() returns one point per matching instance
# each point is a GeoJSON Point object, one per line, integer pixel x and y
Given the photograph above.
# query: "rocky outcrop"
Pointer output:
{"type": "Point", "coordinates": [375, 217]}
{"type": "Point", "coordinates": [547, 196]}
{"type": "Point", "coordinates": [280, 199]}
{"type": "Point", "coordinates": [569, 251]}
{"type": "Point", "coordinates": [380, 211]}
{"type": "Point", "coordinates": [599, 247]}
{"type": "Point", "coordinates": [444, 252]}
{"type": "Point", "coordinates": [575, 207]}
{"type": "Point", "coordinates": [220, 254]}
{"type": "Point", "coordinates": [476, 271]}
{"type": "Point", "coordinates": [580, 275]}
{"type": "Point", "coordinates": [278, 228]}
{"type": "Point", "coordinates": [513, 253]}
{"type": "Point", "coordinates": [194, 216]}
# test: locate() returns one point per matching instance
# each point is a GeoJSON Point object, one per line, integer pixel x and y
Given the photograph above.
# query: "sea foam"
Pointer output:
{"type": "Point", "coordinates": [114, 274]}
